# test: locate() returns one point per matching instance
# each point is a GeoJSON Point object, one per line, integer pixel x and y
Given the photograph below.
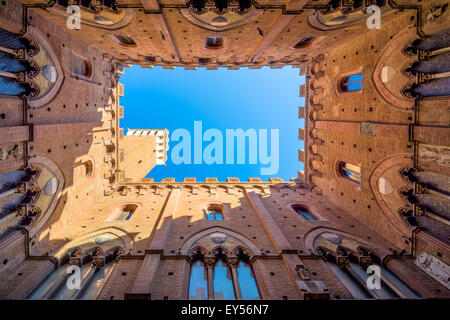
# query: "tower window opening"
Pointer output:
{"type": "Point", "coordinates": [304, 43]}
{"type": "Point", "coordinates": [214, 214]}
{"type": "Point", "coordinates": [214, 43]}
{"type": "Point", "coordinates": [125, 40]}
{"type": "Point", "coordinates": [351, 83]}
{"type": "Point", "coordinates": [303, 213]}
{"type": "Point", "coordinates": [350, 172]}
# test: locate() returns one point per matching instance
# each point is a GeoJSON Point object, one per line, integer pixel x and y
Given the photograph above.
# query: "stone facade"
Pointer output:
{"type": "Point", "coordinates": [376, 177]}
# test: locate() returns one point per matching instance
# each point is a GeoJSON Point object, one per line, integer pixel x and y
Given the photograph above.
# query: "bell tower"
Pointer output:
{"type": "Point", "coordinates": [143, 149]}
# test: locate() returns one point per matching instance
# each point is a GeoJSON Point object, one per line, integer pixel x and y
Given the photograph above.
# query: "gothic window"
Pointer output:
{"type": "Point", "coordinates": [355, 277]}
{"type": "Point", "coordinates": [223, 282]}
{"type": "Point", "coordinates": [92, 277]}
{"type": "Point", "coordinates": [125, 40]}
{"type": "Point", "coordinates": [351, 83]}
{"type": "Point", "coordinates": [214, 214]}
{"type": "Point", "coordinates": [304, 43]}
{"type": "Point", "coordinates": [214, 43]}
{"type": "Point", "coordinates": [247, 282]}
{"type": "Point", "coordinates": [360, 272]}
{"type": "Point", "coordinates": [221, 277]}
{"type": "Point", "coordinates": [350, 172]}
{"type": "Point", "coordinates": [303, 212]}
{"type": "Point", "coordinates": [198, 282]}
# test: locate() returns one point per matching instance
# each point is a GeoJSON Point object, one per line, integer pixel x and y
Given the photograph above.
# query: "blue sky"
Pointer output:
{"type": "Point", "coordinates": [222, 99]}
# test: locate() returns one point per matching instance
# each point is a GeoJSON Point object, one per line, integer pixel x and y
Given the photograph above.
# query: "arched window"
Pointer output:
{"type": "Point", "coordinates": [222, 277]}
{"type": "Point", "coordinates": [303, 212]}
{"type": "Point", "coordinates": [125, 213]}
{"type": "Point", "coordinates": [304, 43]}
{"type": "Point", "coordinates": [125, 40]}
{"type": "Point", "coordinates": [247, 282]}
{"type": "Point", "coordinates": [81, 66]}
{"type": "Point", "coordinates": [351, 83]}
{"type": "Point", "coordinates": [10, 197]}
{"type": "Point", "coordinates": [214, 213]}
{"type": "Point", "coordinates": [214, 43]}
{"type": "Point", "coordinates": [223, 282]}
{"type": "Point", "coordinates": [350, 171]}
{"type": "Point", "coordinates": [198, 282]}
{"type": "Point", "coordinates": [92, 277]}
{"type": "Point", "coordinates": [355, 277]}
{"type": "Point", "coordinates": [356, 274]}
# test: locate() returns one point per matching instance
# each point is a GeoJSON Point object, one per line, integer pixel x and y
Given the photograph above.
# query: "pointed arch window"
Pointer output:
{"type": "Point", "coordinates": [354, 277]}
{"type": "Point", "coordinates": [350, 171]}
{"type": "Point", "coordinates": [198, 281]}
{"type": "Point", "coordinates": [247, 282]}
{"type": "Point", "coordinates": [222, 277]}
{"type": "Point", "coordinates": [356, 270]}
{"type": "Point", "coordinates": [351, 83]}
{"type": "Point", "coordinates": [303, 212]}
{"type": "Point", "coordinates": [223, 282]}
{"type": "Point", "coordinates": [93, 277]}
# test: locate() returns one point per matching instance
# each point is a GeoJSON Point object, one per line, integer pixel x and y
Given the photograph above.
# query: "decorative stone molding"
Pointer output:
{"type": "Point", "coordinates": [435, 268]}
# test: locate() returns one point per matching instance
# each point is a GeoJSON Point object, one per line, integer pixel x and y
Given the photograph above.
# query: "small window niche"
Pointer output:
{"type": "Point", "coordinates": [305, 42]}
{"type": "Point", "coordinates": [214, 43]}
{"type": "Point", "coordinates": [303, 212]}
{"type": "Point", "coordinates": [214, 212]}
{"type": "Point", "coordinates": [88, 168]}
{"type": "Point", "coordinates": [351, 83]}
{"type": "Point", "coordinates": [350, 172]}
{"type": "Point", "coordinates": [81, 66]}
{"type": "Point", "coordinates": [123, 214]}
{"type": "Point", "coordinates": [124, 40]}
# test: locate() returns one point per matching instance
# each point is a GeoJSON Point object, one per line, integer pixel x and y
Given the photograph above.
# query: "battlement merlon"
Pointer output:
{"type": "Point", "coordinates": [214, 180]}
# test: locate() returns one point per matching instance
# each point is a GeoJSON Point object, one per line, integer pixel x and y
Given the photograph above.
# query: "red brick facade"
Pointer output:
{"type": "Point", "coordinates": [67, 172]}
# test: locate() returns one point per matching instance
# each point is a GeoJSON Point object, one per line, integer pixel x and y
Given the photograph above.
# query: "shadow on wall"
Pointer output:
{"type": "Point", "coordinates": [201, 257]}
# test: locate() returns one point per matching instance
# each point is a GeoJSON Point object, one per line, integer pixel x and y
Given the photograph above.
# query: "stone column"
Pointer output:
{"type": "Point", "coordinates": [209, 265]}
{"type": "Point", "coordinates": [86, 281]}
{"type": "Point", "coordinates": [233, 263]}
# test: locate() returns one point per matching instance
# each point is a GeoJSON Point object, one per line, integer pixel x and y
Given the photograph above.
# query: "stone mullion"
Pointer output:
{"type": "Point", "coordinates": [86, 281]}
{"type": "Point", "coordinates": [344, 264]}
{"type": "Point", "coordinates": [209, 263]}
{"type": "Point", "coordinates": [233, 263]}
